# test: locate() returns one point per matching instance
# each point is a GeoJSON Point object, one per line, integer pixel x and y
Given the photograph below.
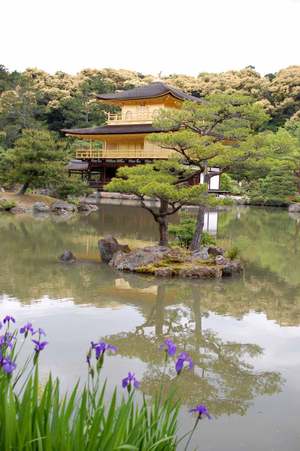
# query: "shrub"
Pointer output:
{"type": "Point", "coordinates": [275, 190]}
{"type": "Point", "coordinates": [184, 232]}
{"type": "Point", "coordinates": [207, 239]}
{"type": "Point", "coordinates": [229, 184]}
{"type": "Point", "coordinates": [295, 198]}
{"type": "Point", "coordinates": [225, 201]}
{"type": "Point", "coordinates": [6, 205]}
{"type": "Point", "coordinates": [71, 187]}
{"type": "Point", "coordinates": [233, 252]}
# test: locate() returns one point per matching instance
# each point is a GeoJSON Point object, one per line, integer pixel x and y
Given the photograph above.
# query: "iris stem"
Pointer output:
{"type": "Point", "coordinates": [191, 435]}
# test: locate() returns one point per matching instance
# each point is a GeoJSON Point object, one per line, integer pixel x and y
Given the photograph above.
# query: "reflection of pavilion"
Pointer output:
{"type": "Point", "coordinates": [211, 222]}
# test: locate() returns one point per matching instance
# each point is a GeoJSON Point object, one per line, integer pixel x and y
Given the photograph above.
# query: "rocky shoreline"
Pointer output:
{"type": "Point", "coordinates": [209, 262]}
{"type": "Point", "coordinates": [54, 206]}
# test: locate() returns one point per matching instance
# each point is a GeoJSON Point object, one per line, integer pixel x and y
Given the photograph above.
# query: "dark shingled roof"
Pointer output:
{"type": "Point", "coordinates": [113, 130]}
{"type": "Point", "coordinates": [156, 89]}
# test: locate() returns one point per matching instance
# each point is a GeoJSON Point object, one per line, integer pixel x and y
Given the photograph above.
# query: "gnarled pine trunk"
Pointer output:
{"type": "Point", "coordinates": [196, 242]}
{"type": "Point", "coordinates": [23, 189]}
{"type": "Point", "coordinates": [163, 223]}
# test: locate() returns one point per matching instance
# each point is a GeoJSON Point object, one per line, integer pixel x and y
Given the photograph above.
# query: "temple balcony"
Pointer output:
{"type": "Point", "coordinates": [128, 154]}
{"type": "Point", "coordinates": [130, 118]}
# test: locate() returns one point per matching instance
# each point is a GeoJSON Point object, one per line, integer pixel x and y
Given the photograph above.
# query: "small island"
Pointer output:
{"type": "Point", "coordinates": [209, 262]}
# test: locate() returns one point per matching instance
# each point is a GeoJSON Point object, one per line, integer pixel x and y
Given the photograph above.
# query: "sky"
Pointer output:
{"type": "Point", "coordinates": [168, 36]}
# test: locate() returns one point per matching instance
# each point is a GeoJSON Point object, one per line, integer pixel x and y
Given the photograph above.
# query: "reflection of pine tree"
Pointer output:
{"type": "Point", "coordinates": [222, 376]}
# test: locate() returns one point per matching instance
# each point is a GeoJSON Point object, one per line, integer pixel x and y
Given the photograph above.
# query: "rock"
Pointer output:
{"type": "Point", "coordinates": [231, 267]}
{"type": "Point", "coordinates": [40, 207]}
{"type": "Point", "coordinates": [85, 207]}
{"type": "Point", "coordinates": [138, 258]}
{"type": "Point", "coordinates": [201, 272]}
{"type": "Point", "coordinates": [201, 254]}
{"type": "Point", "coordinates": [295, 216]}
{"type": "Point", "coordinates": [45, 191]}
{"type": "Point", "coordinates": [67, 257]}
{"type": "Point", "coordinates": [17, 210]}
{"type": "Point", "coordinates": [109, 246]}
{"type": "Point", "coordinates": [221, 260]}
{"type": "Point", "coordinates": [110, 195]}
{"type": "Point", "coordinates": [94, 195]}
{"type": "Point", "coordinates": [164, 272]}
{"type": "Point", "coordinates": [61, 207]}
{"type": "Point", "coordinates": [176, 256]}
{"type": "Point", "coordinates": [294, 208]}
{"type": "Point", "coordinates": [214, 250]}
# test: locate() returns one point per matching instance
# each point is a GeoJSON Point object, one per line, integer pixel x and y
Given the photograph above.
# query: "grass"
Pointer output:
{"type": "Point", "coordinates": [27, 200]}
{"type": "Point", "coordinates": [45, 420]}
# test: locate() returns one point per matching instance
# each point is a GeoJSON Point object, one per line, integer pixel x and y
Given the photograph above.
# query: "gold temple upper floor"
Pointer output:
{"type": "Point", "coordinates": [91, 154]}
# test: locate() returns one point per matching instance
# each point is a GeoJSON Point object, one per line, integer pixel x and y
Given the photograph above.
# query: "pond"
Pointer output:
{"type": "Point", "coordinates": [243, 333]}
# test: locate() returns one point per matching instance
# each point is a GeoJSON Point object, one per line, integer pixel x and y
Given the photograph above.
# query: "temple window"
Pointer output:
{"type": "Point", "coordinates": [128, 115]}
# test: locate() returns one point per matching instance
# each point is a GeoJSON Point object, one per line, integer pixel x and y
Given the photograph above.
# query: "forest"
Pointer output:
{"type": "Point", "coordinates": [46, 103]}
{"type": "Point", "coordinates": [36, 99]}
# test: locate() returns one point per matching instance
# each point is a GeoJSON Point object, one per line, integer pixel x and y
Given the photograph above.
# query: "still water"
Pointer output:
{"type": "Point", "coordinates": [243, 333]}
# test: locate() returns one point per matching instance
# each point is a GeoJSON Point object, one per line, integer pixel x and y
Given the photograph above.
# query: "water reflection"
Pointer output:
{"type": "Point", "coordinates": [243, 333]}
{"type": "Point", "coordinates": [221, 373]}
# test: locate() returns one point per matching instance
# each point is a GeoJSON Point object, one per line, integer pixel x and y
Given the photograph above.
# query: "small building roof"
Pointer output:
{"type": "Point", "coordinates": [114, 130]}
{"type": "Point", "coordinates": [77, 165]}
{"type": "Point", "coordinates": [155, 89]}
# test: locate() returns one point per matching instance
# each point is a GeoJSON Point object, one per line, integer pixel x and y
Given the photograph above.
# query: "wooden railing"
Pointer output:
{"type": "Point", "coordinates": [89, 154]}
{"type": "Point", "coordinates": [113, 118]}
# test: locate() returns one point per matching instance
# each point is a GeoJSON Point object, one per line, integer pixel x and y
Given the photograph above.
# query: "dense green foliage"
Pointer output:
{"type": "Point", "coordinates": [163, 182]}
{"type": "Point", "coordinates": [35, 98]}
{"type": "Point", "coordinates": [6, 205]}
{"type": "Point", "coordinates": [229, 184]}
{"type": "Point", "coordinates": [70, 187]}
{"type": "Point", "coordinates": [184, 232]}
{"type": "Point", "coordinates": [277, 188]}
{"type": "Point", "coordinates": [208, 135]}
{"type": "Point", "coordinates": [229, 132]}
{"type": "Point", "coordinates": [36, 161]}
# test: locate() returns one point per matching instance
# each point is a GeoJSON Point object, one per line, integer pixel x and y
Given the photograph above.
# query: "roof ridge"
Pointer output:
{"type": "Point", "coordinates": [148, 91]}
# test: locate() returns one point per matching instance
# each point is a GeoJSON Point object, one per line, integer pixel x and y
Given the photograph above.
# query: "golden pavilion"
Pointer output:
{"type": "Point", "coordinates": [124, 137]}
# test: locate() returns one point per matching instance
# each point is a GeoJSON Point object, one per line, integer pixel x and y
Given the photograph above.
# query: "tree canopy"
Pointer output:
{"type": "Point", "coordinates": [164, 182]}
{"type": "Point", "coordinates": [61, 100]}
{"type": "Point", "coordinates": [36, 161]}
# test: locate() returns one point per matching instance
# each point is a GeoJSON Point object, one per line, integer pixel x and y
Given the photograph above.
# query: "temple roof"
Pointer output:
{"type": "Point", "coordinates": [156, 89]}
{"type": "Point", "coordinates": [113, 130]}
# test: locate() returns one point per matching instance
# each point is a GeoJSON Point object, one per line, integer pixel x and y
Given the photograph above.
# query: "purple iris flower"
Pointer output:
{"type": "Point", "coordinates": [129, 381]}
{"type": "Point", "coordinates": [169, 346]}
{"type": "Point", "coordinates": [0, 325]}
{"type": "Point", "coordinates": [7, 340]}
{"type": "Point", "coordinates": [101, 347]}
{"type": "Point", "coordinates": [40, 332]}
{"type": "Point", "coordinates": [39, 345]}
{"type": "Point", "coordinates": [26, 329]}
{"type": "Point", "coordinates": [201, 409]}
{"type": "Point", "coordinates": [8, 318]}
{"type": "Point", "coordinates": [8, 365]}
{"type": "Point", "coordinates": [183, 358]}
